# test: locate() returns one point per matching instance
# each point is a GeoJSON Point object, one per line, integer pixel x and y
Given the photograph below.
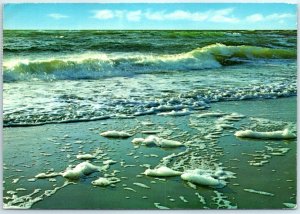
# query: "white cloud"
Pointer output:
{"type": "Point", "coordinates": [275, 16]}
{"type": "Point", "coordinates": [255, 18]}
{"type": "Point", "coordinates": [110, 14]}
{"type": "Point", "coordinates": [134, 15]}
{"type": "Point", "coordinates": [223, 15]}
{"type": "Point", "coordinates": [220, 18]}
{"type": "Point", "coordinates": [178, 14]}
{"type": "Point", "coordinates": [57, 16]}
{"type": "Point", "coordinates": [158, 15]}
{"type": "Point", "coordinates": [103, 14]}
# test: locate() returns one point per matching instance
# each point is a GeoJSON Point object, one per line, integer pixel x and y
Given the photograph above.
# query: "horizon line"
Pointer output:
{"type": "Point", "coordinates": [154, 29]}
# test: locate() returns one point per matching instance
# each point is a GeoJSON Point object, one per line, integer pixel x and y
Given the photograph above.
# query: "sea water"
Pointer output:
{"type": "Point", "coordinates": [135, 90]}
{"type": "Point", "coordinates": [67, 76]}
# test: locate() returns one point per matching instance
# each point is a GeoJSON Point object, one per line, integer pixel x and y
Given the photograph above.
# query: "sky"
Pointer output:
{"type": "Point", "coordinates": [180, 16]}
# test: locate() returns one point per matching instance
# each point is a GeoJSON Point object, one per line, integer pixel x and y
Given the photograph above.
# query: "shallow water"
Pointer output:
{"type": "Point", "coordinates": [67, 100]}
{"type": "Point", "coordinates": [228, 150]}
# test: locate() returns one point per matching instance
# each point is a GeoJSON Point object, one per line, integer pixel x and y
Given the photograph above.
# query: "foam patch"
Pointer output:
{"type": "Point", "coordinates": [259, 192]}
{"type": "Point", "coordinates": [115, 134]}
{"type": "Point", "coordinates": [162, 171]}
{"type": "Point", "coordinates": [105, 181]}
{"type": "Point", "coordinates": [202, 179]}
{"type": "Point", "coordinates": [211, 114]}
{"type": "Point", "coordinates": [173, 113]}
{"type": "Point", "coordinates": [285, 134]}
{"type": "Point", "coordinates": [207, 177]}
{"type": "Point", "coordinates": [44, 175]}
{"type": "Point", "coordinates": [141, 185]}
{"type": "Point", "coordinates": [85, 157]}
{"type": "Point", "coordinates": [82, 169]}
{"type": "Point", "coordinates": [161, 142]}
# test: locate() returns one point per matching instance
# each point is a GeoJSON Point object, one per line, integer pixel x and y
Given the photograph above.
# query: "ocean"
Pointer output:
{"type": "Point", "coordinates": [69, 76]}
{"type": "Point", "coordinates": [149, 119]}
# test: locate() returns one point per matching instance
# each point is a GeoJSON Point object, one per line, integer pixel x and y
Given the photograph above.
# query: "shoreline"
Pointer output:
{"type": "Point", "coordinates": [105, 117]}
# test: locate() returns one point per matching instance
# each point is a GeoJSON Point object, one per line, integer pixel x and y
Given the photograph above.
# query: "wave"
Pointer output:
{"type": "Point", "coordinates": [96, 65]}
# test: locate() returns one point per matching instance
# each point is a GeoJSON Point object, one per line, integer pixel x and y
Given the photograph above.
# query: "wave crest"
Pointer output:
{"type": "Point", "coordinates": [97, 65]}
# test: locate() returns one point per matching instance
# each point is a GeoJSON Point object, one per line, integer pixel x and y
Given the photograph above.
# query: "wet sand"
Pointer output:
{"type": "Point", "coordinates": [29, 151]}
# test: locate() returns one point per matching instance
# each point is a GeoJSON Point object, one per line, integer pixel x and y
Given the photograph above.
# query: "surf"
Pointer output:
{"type": "Point", "coordinates": [94, 65]}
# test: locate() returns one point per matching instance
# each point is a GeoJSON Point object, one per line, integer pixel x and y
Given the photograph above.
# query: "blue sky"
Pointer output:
{"type": "Point", "coordinates": [151, 16]}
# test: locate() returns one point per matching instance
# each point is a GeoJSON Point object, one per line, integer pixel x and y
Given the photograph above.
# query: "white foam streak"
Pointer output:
{"type": "Point", "coordinates": [162, 171]}
{"type": "Point", "coordinates": [285, 134]}
{"type": "Point", "coordinates": [161, 142]}
{"type": "Point", "coordinates": [116, 134]}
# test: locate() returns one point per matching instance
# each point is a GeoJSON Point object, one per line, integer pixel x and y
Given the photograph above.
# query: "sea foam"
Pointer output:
{"type": "Point", "coordinates": [115, 134]}
{"type": "Point", "coordinates": [105, 181]}
{"type": "Point", "coordinates": [207, 177]}
{"type": "Point", "coordinates": [285, 134]}
{"type": "Point", "coordinates": [96, 65]}
{"type": "Point", "coordinates": [162, 171]}
{"type": "Point", "coordinates": [161, 142]}
{"type": "Point", "coordinates": [82, 169]}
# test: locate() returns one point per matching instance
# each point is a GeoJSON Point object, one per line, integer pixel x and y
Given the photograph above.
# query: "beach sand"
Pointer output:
{"type": "Point", "coordinates": [29, 151]}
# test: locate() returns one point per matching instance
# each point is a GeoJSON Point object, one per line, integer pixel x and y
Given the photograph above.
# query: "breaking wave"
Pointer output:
{"type": "Point", "coordinates": [96, 65]}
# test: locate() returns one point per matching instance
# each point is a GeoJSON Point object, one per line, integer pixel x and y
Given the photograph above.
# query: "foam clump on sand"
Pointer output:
{"type": "Point", "coordinates": [285, 134]}
{"type": "Point", "coordinates": [82, 169]}
{"type": "Point", "coordinates": [115, 134]}
{"type": "Point", "coordinates": [105, 181]}
{"type": "Point", "coordinates": [162, 171]}
{"type": "Point", "coordinates": [44, 175]}
{"type": "Point", "coordinates": [109, 162]}
{"type": "Point", "coordinates": [168, 143]}
{"type": "Point", "coordinates": [207, 177]}
{"type": "Point", "coordinates": [85, 157]}
{"type": "Point", "coordinates": [221, 201]}
{"type": "Point", "coordinates": [176, 113]}
{"type": "Point", "coordinates": [22, 202]}
{"type": "Point", "coordinates": [157, 205]}
{"type": "Point", "coordinates": [26, 201]}
{"type": "Point", "coordinates": [277, 151]}
{"type": "Point", "coordinates": [211, 114]}
{"type": "Point", "coordinates": [141, 185]}
{"type": "Point", "coordinates": [259, 192]}
{"type": "Point", "coordinates": [290, 205]}
{"type": "Point", "coordinates": [152, 139]}
{"type": "Point", "coordinates": [202, 179]}
{"type": "Point", "coordinates": [145, 141]}
{"type": "Point", "coordinates": [234, 117]}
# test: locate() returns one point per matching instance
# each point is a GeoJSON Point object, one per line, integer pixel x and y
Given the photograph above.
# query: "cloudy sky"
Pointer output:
{"type": "Point", "coordinates": [151, 16]}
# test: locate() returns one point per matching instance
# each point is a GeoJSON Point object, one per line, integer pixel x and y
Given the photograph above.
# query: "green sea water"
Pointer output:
{"type": "Point", "coordinates": [65, 76]}
{"type": "Point", "coordinates": [63, 88]}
